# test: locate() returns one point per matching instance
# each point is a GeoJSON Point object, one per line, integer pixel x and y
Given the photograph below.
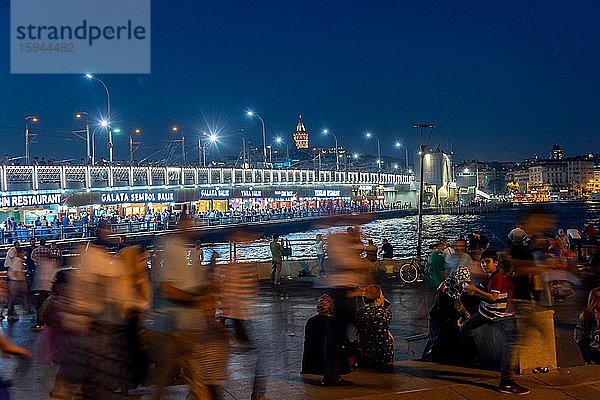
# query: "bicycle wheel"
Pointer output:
{"type": "Point", "coordinates": [408, 272]}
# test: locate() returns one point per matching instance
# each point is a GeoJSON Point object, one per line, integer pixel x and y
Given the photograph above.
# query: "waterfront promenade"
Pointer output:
{"type": "Point", "coordinates": [278, 327]}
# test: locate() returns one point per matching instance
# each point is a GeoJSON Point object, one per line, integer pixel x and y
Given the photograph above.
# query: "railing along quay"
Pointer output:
{"type": "Point", "coordinates": [464, 209]}
{"type": "Point", "coordinates": [14, 178]}
{"type": "Point", "coordinates": [80, 231]}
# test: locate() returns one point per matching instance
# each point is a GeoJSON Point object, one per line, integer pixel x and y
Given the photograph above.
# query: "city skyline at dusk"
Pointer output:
{"type": "Point", "coordinates": [501, 82]}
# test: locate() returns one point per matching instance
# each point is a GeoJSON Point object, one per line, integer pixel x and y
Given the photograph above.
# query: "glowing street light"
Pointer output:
{"type": "Point", "coordinates": [369, 135]}
{"type": "Point", "coordinates": [106, 123]}
{"type": "Point", "coordinates": [280, 141]}
{"type": "Point", "coordinates": [179, 128]}
{"type": "Point", "coordinates": [33, 119]}
{"type": "Point", "coordinates": [399, 145]}
{"type": "Point", "coordinates": [210, 140]}
{"type": "Point", "coordinates": [337, 156]}
{"type": "Point", "coordinates": [264, 134]}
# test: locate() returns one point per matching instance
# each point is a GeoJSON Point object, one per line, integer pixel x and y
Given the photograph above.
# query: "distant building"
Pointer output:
{"type": "Point", "coordinates": [518, 180]}
{"type": "Point", "coordinates": [301, 135]}
{"type": "Point", "coordinates": [555, 178]}
{"type": "Point", "coordinates": [557, 152]}
{"type": "Point", "coordinates": [438, 175]}
{"type": "Point", "coordinates": [488, 177]}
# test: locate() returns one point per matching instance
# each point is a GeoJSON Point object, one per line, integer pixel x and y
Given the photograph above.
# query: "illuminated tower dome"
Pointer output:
{"type": "Point", "coordinates": [301, 136]}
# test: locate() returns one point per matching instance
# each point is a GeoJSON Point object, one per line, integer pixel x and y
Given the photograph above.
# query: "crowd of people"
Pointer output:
{"type": "Point", "coordinates": [474, 286]}
{"type": "Point", "coordinates": [83, 225]}
{"type": "Point", "coordinates": [353, 300]}
{"type": "Point", "coordinates": [115, 326]}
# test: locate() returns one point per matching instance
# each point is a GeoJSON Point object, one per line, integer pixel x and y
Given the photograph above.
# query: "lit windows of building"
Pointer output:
{"type": "Point", "coordinates": [557, 152]}
{"type": "Point", "coordinates": [301, 135]}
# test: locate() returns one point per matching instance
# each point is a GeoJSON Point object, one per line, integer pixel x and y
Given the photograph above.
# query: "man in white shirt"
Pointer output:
{"type": "Point", "coordinates": [319, 249]}
{"type": "Point", "coordinates": [16, 280]}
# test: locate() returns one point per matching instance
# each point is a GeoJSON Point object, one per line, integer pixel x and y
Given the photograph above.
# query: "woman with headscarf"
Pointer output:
{"type": "Point", "coordinates": [445, 344]}
{"type": "Point", "coordinates": [373, 325]}
{"type": "Point", "coordinates": [315, 331]}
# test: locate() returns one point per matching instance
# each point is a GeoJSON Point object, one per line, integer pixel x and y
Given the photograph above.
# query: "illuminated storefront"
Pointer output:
{"type": "Point", "coordinates": [249, 199]}
{"type": "Point", "coordinates": [127, 203]}
{"type": "Point", "coordinates": [28, 207]}
{"type": "Point", "coordinates": [213, 200]}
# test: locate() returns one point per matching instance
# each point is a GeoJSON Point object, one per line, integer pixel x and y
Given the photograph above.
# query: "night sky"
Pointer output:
{"type": "Point", "coordinates": [502, 80]}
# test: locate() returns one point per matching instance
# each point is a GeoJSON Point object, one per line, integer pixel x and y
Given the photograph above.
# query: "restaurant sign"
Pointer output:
{"type": "Point", "coordinates": [284, 193]}
{"type": "Point", "coordinates": [327, 193]}
{"type": "Point", "coordinates": [137, 197]}
{"type": "Point", "coordinates": [215, 193]}
{"type": "Point", "coordinates": [251, 193]}
{"type": "Point", "coordinates": [28, 200]}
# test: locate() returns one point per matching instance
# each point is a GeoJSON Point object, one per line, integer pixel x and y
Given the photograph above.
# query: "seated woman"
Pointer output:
{"type": "Point", "coordinates": [373, 322]}
{"type": "Point", "coordinates": [445, 343]}
{"type": "Point", "coordinates": [315, 332]}
{"type": "Point", "coordinates": [587, 331]}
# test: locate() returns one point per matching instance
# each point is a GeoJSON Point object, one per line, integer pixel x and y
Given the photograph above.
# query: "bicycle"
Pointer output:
{"type": "Point", "coordinates": [413, 270]}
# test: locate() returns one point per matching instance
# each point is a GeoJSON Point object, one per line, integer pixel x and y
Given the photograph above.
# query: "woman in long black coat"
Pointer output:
{"type": "Point", "coordinates": [445, 343]}
{"type": "Point", "coordinates": [315, 332]}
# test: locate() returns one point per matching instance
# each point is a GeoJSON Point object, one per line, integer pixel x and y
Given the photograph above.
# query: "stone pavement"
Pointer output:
{"type": "Point", "coordinates": [278, 328]}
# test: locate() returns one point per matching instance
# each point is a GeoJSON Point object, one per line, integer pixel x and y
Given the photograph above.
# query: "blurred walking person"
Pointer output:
{"type": "Point", "coordinates": [235, 290]}
{"type": "Point", "coordinates": [45, 270]}
{"type": "Point", "coordinates": [17, 287]}
{"type": "Point", "coordinates": [137, 295]}
{"type": "Point", "coordinates": [99, 303]}
{"type": "Point", "coordinates": [347, 272]}
{"type": "Point", "coordinates": [186, 334]}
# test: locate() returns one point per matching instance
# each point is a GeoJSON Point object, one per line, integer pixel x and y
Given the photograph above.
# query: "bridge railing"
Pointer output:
{"type": "Point", "coordinates": [80, 230]}
{"type": "Point", "coordinates": [67, 177]}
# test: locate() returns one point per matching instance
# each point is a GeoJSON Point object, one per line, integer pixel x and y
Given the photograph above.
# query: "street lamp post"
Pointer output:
{"type": "Point", "coordinates": [264, 134]}
{"type": "Point", "coordinates": [399, 145]}
{"type": "Point", "coordinates": [337, 156]}
{"type": "Point", "coordinates": [136, 131]}
{"type": "Point", "coordinates": [355, 158]}
{"type": "Point", "coordinates": [33, 119]}
{"type": "Point", "coordinates": [81, 115]}
{"type": "Point", "coordinates": [179, 128]}
{"type": "Point", "coordinates": [200, 149]}
{"type": "Point", "coordinates": [370, 135]}
{"type": "Point", "coordinates": [422, 186]}
{"type": "Point", "coordinates": [280, 141]}
{"type": "Point", "coordinates": [212, 138]}
{"type": "Point", "coordinates": [108, 116]}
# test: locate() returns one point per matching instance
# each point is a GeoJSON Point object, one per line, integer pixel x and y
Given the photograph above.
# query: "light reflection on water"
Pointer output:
{"type": "Point", "coordinates": [402, 232]}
